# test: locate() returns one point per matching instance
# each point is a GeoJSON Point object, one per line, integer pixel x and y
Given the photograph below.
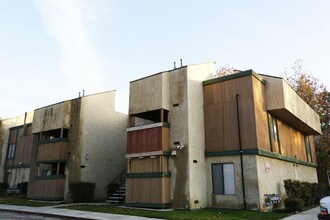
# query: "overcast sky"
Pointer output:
{"type": "Point", "coordinates": [50, 50]}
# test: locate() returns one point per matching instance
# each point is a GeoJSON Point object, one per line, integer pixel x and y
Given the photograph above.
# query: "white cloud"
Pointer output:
{"type": "Point", "coordinates": [68, 22]}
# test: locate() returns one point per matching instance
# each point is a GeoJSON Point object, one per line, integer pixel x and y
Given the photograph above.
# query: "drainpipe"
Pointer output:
{"type": "Point", "coordinates": [240, 151]}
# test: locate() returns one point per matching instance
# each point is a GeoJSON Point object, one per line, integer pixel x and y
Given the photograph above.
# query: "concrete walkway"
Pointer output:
{"type": "Point", "coordinates": [310, 214]}
{"type": "Point", "coordinates": [56, 211]}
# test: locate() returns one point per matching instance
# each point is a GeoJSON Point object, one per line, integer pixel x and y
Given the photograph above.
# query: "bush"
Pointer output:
{"type": "Point", "coordinates": [82, 191]}
{"type": "Point", "coordinates": [3, 188]}
{"type": "Point", "coordinates": [306, 193]}
{"type": "Point", "coordinates": [310, 193]}
{"type": "Point", "coordinates": [292, 188]}
{"type": "Point", "coordinates": [23, 187]}
{"type": "Point", "coordinates": [315, 198]}
{"type": "Point", "coordinates": [294, 204]}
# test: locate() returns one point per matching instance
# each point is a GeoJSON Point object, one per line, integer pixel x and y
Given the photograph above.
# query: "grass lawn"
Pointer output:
{"type": "Point", "coordinates": [12, 200]}
{"type": "Point", "coordinates": [223, 214]}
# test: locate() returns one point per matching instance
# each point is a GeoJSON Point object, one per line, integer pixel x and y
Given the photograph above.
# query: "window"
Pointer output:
{"type": "Point", "coordinates": [51, 169]}
{"type": "Point", "coordinates": [308, 149]}
{"type": "Point", "coordinates": [11, 151]}
{"type": "Point", "coordinates": [273, 134]}
{"type": "Point", "coordinates": [223, 179]}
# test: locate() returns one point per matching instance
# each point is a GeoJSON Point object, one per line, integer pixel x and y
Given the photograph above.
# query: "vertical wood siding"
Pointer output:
{"type": "Point", "coordinates": [220, 115]}
{"type": "Point", "coordinates": [148, 190]}
{"type": "Point", "coordinates": [53, 151]}
{"type": "Point", "coordinates": [148, 140]}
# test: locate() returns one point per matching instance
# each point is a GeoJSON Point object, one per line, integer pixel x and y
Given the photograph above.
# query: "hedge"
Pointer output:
{"type": "Point", "coordinates": [82, 191]}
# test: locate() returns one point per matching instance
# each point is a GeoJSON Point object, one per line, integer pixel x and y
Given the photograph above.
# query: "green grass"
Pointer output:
{"type": "Point", "coordinates": [12, 200]}
{"type": "Point", "coordinates": [223, 214]}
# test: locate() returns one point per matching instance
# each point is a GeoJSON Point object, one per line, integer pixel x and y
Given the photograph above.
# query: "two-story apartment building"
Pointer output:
{"type": "Point", "coordinates": [82, 139]}
{"type": "Point", "coordinates": [198, 141]}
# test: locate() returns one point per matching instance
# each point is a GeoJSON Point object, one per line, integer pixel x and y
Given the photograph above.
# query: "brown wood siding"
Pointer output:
{"type": "Point", "coordinates": [48, 188]}
{"type": "Point", "coordinates": [262, 129]}
{"type": "Point", "coordinates": [292, 141]}
{"type": "Point", "coordinates": [147, 140]}
{"type": "Point", "coordinates": [23, 149]}
{"type": "Point", "coordinates": [12, 138]}
{"type": "Point", "coordinates": [221, 129]}
{"type": "Point", "coordinates": [53, 151]}
{"type": "Point", "coordinates": [148, 165]}
{"type": "Point", "coordinates": [148, 190]}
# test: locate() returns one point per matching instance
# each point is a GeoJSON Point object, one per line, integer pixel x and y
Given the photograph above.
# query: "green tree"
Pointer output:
{"type": "Point", "coordinates": [317, 96]}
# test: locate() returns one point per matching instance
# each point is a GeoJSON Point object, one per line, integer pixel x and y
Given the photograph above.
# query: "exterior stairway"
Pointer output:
{"type": "Point", "coordinates": [118, 197]}
{"type": "Point", "coordinates": [117, 189]}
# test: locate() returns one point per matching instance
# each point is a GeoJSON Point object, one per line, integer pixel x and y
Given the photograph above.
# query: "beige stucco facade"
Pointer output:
{"type": "Point", "coordinates": [94, 145]}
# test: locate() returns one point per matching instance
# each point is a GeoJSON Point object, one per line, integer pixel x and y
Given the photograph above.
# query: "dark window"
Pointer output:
{"type": "Point", "coordinates": [11, 151]}
{"type": "Point", "coordinates": [223, 179]}
{"type": "Point", "coordinates": [308, 149]}
{"type": "Point", "coordinates": [273, 133]}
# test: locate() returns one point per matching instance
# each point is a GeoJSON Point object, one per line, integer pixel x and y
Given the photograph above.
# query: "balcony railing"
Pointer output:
{"type": "Point", "coordinates": [152, 139]}
{"type": "Point", "coordinates": [49, 187]}
{"type": "Point", "coordinates": [53, 151]}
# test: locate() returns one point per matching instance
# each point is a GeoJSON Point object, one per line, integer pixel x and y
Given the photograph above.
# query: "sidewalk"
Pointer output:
{"type": "Point", "coordinates": [310, 214]}
{"type": "Point", "coordinates": [54, 211]}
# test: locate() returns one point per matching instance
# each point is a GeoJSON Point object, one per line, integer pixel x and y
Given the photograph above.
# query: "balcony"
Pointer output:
{"type": "Point", "coordinates": [287, 105]}
{"type": "Point", "coordinates": [148, 140]}
{"type": "Point", "coordinates": [49, 187]}
{"type": "Point", "coordinates": [53, 150]}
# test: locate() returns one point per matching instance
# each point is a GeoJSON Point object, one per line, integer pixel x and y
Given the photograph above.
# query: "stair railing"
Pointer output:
{"type": "Point", "coordinates": [116, 183]}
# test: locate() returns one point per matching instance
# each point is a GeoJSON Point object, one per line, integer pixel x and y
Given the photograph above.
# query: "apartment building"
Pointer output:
{"type": "Point", "coordinates": [79, 140]}
{"type": "Point", "coordinates": [198, 141]}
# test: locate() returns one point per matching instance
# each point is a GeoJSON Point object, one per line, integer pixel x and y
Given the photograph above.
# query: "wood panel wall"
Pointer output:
{"type": "Point", "coordinates": [48, 188]}
{"type": "Point", "coordinates": [148, 165]}
{"type": "Point", "coordinates": [53, 151]}
{"type": "Point", "coordinates": [220, 115]}
{"type": "Point", "coordinates": [148, 140]}
{"type": "Point", "coordinates": [292, 141]}
{"type": "Point", "coordinates": [148, 190]}
{"type": "Point", "coordinates": [23, 149]}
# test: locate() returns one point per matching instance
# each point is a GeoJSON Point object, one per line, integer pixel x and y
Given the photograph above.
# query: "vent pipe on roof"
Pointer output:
{"type": "Point", "coordinates": [174, 65]}
{"type": "Point", "coordinates": [181, 62]}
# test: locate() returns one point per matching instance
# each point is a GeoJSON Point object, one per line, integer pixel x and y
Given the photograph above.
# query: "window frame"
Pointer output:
{"type": "Point", "coordinates": [223, 179]}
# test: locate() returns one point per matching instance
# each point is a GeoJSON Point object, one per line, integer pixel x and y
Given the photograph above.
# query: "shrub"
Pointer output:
{"type": "Point", "coordinates": [322, 190]}
{"type": "Point", "coordinates": [306, 193]}
{"type": "Point", "coordinates": [315, 198]}
{"type": "Point", "coordinates": [294, 204]}
{"type": "Point", "coordinates": [292, 188]}
{"type": "Point", "coordinates": [23, 187]}
{"type": "Point", "coordinates": [82, 191]}
{"type": "Point", "coordinates": [3, 188]}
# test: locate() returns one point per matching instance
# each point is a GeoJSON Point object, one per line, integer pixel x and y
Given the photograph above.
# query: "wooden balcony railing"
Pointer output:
{"type": "Point", "coordinates": [49, 187]}
{"type": "Point", "coordinates": [53, 151]}
{"type": "Point", "coordinates": [148, 139]}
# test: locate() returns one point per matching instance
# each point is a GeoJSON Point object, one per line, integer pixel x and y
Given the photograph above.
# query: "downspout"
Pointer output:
{"type": "Point", "coordinates": [240, 151]}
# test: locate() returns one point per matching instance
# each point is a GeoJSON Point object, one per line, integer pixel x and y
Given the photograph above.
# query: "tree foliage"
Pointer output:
{"type": "Point", "coordinates": [314, 93]}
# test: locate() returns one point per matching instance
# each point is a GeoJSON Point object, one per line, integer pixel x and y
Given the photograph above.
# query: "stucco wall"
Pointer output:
{"type": "Point", "coordinates": [149, 93]}
{"type": "Point", "coordinates": [186, 117]}
{"type": "Point", "coordinates": [52, 117]}
{"type": "Point", "coordinates": [272, 181]}
{"type": "Point", "coordinates": [250, 181]}
{"type": "Point", "coordinates": [196, 147]}
{"type": "Point", "coordinates": [293, 107]}
{"type": "Point", "coordinates": [178, 165]}
{"type": "Point", "coordinates": [103, 141]}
